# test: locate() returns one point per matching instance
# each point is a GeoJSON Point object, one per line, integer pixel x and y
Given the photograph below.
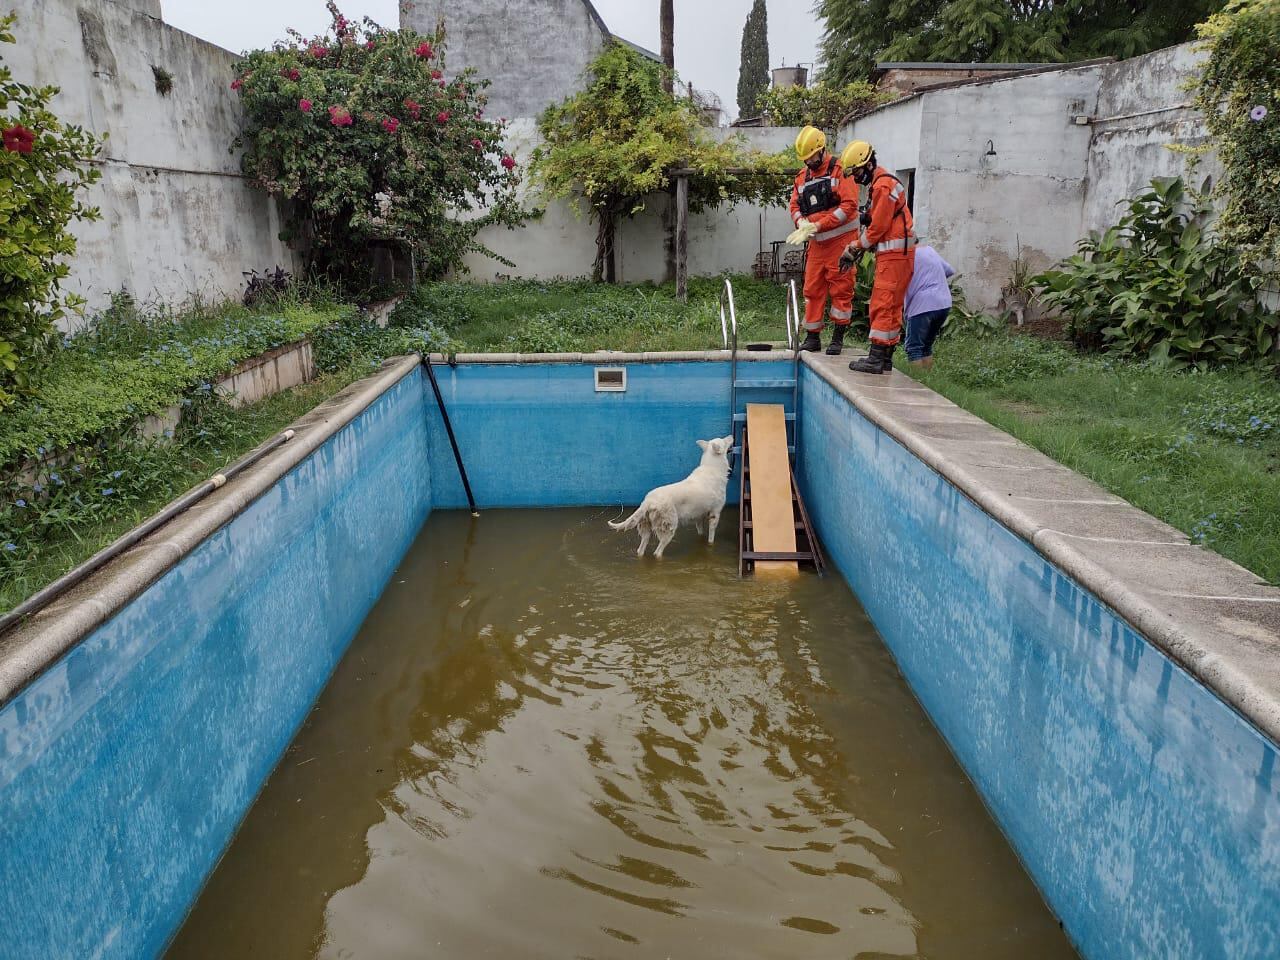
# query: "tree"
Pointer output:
{"type": "Point", "coordinates": [42, 175]}
{"type": "Point", "coordinates": [362, 134]}
{"type": "Point", "coordinates": [753, 69]}
{"type": "Point", "coordinates": [612, 145]}
{"type": "Point", "coordinates": [667, 27]}
{"type": "Point", "coordinates": [822, 105]}
{"type": "Point", "coordinates": [859, 33]}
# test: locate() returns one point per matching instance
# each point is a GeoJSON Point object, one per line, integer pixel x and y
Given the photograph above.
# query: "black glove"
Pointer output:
{"type": "Point", "coordinates": [848, 258]}
{"type": "Point", "coordinates": [864, 218]}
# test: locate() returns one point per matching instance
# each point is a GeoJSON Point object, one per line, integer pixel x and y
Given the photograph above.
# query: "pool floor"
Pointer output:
{"type": "Point", "coordinates": [539, 746]}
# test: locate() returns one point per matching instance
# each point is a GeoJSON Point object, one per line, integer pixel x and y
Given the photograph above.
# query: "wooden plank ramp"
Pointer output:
{"type": "Point", "coordinates": [773, 523]}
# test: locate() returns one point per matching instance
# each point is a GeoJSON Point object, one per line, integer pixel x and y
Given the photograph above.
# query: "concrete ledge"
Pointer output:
{"type": "Point", "coordinates": [611, 357]}
{"type": "Point", "coordinates": [1213, 617]}
{"type": "Point", "coordinates": [34, 645]}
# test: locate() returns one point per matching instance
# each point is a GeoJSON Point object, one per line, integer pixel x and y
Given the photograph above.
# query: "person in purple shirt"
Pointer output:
{"type": "Point", "coordinates": [927, 305]}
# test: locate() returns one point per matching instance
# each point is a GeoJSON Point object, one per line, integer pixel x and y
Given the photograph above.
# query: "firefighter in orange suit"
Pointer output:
{"type": "Point", "coordinates": [824, 208]}
{"type": "Point", "coordinates": [888, 229]}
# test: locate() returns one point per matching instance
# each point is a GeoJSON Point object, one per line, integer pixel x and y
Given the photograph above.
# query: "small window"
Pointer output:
{"type": "Point", "coordinates": [611, 379]}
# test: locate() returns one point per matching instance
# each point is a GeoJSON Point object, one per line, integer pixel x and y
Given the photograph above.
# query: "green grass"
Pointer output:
{"type": "Point", "coordinates": [152, 475]}
{"type": "Point", "coordinates": [525, 316]}
{"type": "Point", "coordinates": [1201, 451]}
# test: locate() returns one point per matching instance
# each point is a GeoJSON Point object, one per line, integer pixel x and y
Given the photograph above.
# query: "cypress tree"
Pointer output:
{"type": "Point", "coordinates": [753, 72]}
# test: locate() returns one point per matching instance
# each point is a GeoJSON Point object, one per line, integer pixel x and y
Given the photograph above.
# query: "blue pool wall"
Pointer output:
{"type": "Point", "coordinates": [1145, 809]}
{"type": "Point", "coordinates": [127, 766]}
{"type": "Point", "coordinates": [539, 435]}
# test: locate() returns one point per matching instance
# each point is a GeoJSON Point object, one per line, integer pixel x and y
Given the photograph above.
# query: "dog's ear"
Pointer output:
{"type": "Point", "coordinates": [702, 444]}
{"type": "Point", "coordinates": [728, 444]}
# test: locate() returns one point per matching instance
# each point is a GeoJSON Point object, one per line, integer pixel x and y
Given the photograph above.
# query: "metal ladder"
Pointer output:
{"type": "Point", "coordinates": [808, 551]}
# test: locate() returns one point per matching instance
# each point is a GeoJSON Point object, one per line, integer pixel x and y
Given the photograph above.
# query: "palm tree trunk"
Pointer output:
{"type": "Point", "coordinates": [668, 29]}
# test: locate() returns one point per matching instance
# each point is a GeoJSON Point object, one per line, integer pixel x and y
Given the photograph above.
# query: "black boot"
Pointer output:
{"type": "Point", "coordinates": [836, 347]}
{"type": "Point", "coordinates": [812, 342]}
{"type": "Point", "coordinates": [879, 359]}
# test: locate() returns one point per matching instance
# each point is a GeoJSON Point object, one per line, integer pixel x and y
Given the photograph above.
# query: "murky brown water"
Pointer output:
{"type": "Point", "coordinates": [539, 746]}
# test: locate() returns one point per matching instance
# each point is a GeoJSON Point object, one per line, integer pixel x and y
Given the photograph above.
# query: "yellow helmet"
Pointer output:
{"type": "Point", "coordinates": [809, 141]}
{"type": "Point", "coordinates": [856, 155]}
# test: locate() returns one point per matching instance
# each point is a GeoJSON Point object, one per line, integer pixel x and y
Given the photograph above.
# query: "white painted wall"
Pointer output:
{"type": "Point", "coordinates": [179, 221]}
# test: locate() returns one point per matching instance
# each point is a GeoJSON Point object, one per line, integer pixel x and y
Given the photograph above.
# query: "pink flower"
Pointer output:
{"type": "Point", "coordinates": [478, 144]}
{"type": "Point", "coordinates": [423, 50]}
{"type": "Point", "coordinates": [436, 74]}
{"type": "Point", "coordinates": [370, 45]}
{"type": "Point", "coordinates": [319, 51]}
{"type": "Point", "coordinates": [442, 116]}
{"type": "Point", "coordinates": [391, 124]}
{"type": "Point", "coordinates": [509, 162]}
{"type": "Point", "coordinates": [237, 83]}
{"type": "Point", "coordinates": [341, 23]}
{"type": "Point", "coordinates": [291, 74]}
{"type": "Point", "coordinates": [304, 105]}
{"type": "Point", "coordinates": [18, 139]}
{"type": "Point", "coordinates": [340, 117]}
{"type": "Point", "coordinates": [414, 108]}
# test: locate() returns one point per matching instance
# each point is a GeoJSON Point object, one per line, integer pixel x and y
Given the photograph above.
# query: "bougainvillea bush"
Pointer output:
{"type": "Point", "coordinates": [42, 176]}
{"type": "Point", "coordinates": [368, 142]}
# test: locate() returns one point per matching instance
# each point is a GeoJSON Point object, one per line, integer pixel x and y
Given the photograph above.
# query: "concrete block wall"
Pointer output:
{"type": "Point", "coordinates": [179, 221]}
{"type": "Point", "coordinates": [535, 52]}
{"type": "Point", "coordinates": [1143, 109]}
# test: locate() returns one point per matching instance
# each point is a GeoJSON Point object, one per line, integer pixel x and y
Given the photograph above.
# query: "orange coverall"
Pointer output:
{"type": "Point", "coordinates": [891, 234]}
{"type": "Point", "coordinates": [822, 276]}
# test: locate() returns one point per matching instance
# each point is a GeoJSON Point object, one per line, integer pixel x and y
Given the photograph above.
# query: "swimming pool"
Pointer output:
{"type": "Point", "coordinates": [1144, 808]}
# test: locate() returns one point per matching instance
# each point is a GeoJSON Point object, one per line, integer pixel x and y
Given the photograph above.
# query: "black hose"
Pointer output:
{"type": "Point", "coordinates": [41, 599]}
{"type": "Point", "coordinates": [453, 441]}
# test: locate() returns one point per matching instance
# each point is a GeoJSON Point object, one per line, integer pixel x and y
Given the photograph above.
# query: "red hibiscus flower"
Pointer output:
{"type": "Point", "coordinates": [370, 45]}
{"type": "Point", "coordinates": [423, 50]}
{"type": "Point", "coordinates": [237, 83]}
{"type": "Point", "coordinates": [18, 139]}
{"type": "Point", "coordinates": [414, 108]}
{"type": "Point", "coordinates": [478, 144]}
{"type": "Point", "coordinates": [509, 162]}
{"type": "Point", "coordinates": [340, 117]}
{"type": "Point", "coordinates": [391, 124]}
{"type": "Point", "coordinates": [436, 74]}
{"type": "Point", "coordinates": [318, 51]}
{"type": "Point", "coordinates": [304, 105]}
{"type": "Point", "coordinates": [442, 116]}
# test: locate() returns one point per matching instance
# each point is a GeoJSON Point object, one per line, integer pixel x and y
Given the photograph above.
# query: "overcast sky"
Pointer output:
{"type": "Point", "coordinates": [708, 32]}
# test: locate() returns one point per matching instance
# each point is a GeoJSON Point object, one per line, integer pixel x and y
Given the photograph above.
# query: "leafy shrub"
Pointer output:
{"type": "Point", "coordinates": [964, 321]}
{"type": "Point", "coordinates": [1156, 287]}
{"type": "Point", "coordinates": [355, 341]}
{"type": "Point", "coordinates": [1239, 96]}
{"type": "Point", "coordinates": [266, 287]}
{"type": "Point", "coordinates": [361, 132]}
{"type": "Point", "coordinates": [821, 105]}
{"type": "Point", "coordinates": [41, 175]}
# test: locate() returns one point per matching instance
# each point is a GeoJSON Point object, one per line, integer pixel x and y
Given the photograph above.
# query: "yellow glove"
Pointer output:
{"type": "Point", "coordinates": [805, 229]}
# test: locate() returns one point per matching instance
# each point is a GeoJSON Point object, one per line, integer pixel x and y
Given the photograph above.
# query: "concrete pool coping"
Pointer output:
{"type": "Point", "coordinates": [1216, 619]}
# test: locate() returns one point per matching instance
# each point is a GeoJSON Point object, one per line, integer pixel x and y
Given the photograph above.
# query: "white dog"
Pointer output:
{"type": "Point", "coordinates": [698, 497]}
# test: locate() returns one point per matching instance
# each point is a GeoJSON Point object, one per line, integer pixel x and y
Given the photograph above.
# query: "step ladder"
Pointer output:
{"type": "Point", "coordinates": [775, 535]}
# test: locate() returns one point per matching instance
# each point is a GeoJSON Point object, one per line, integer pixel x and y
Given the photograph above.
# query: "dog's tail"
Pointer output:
{"type": "Point", "coordinates": [631, 522]}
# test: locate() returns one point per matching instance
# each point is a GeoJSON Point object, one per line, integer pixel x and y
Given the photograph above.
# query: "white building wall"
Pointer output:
{"type": "Point", "coordinates": [178, 219]}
